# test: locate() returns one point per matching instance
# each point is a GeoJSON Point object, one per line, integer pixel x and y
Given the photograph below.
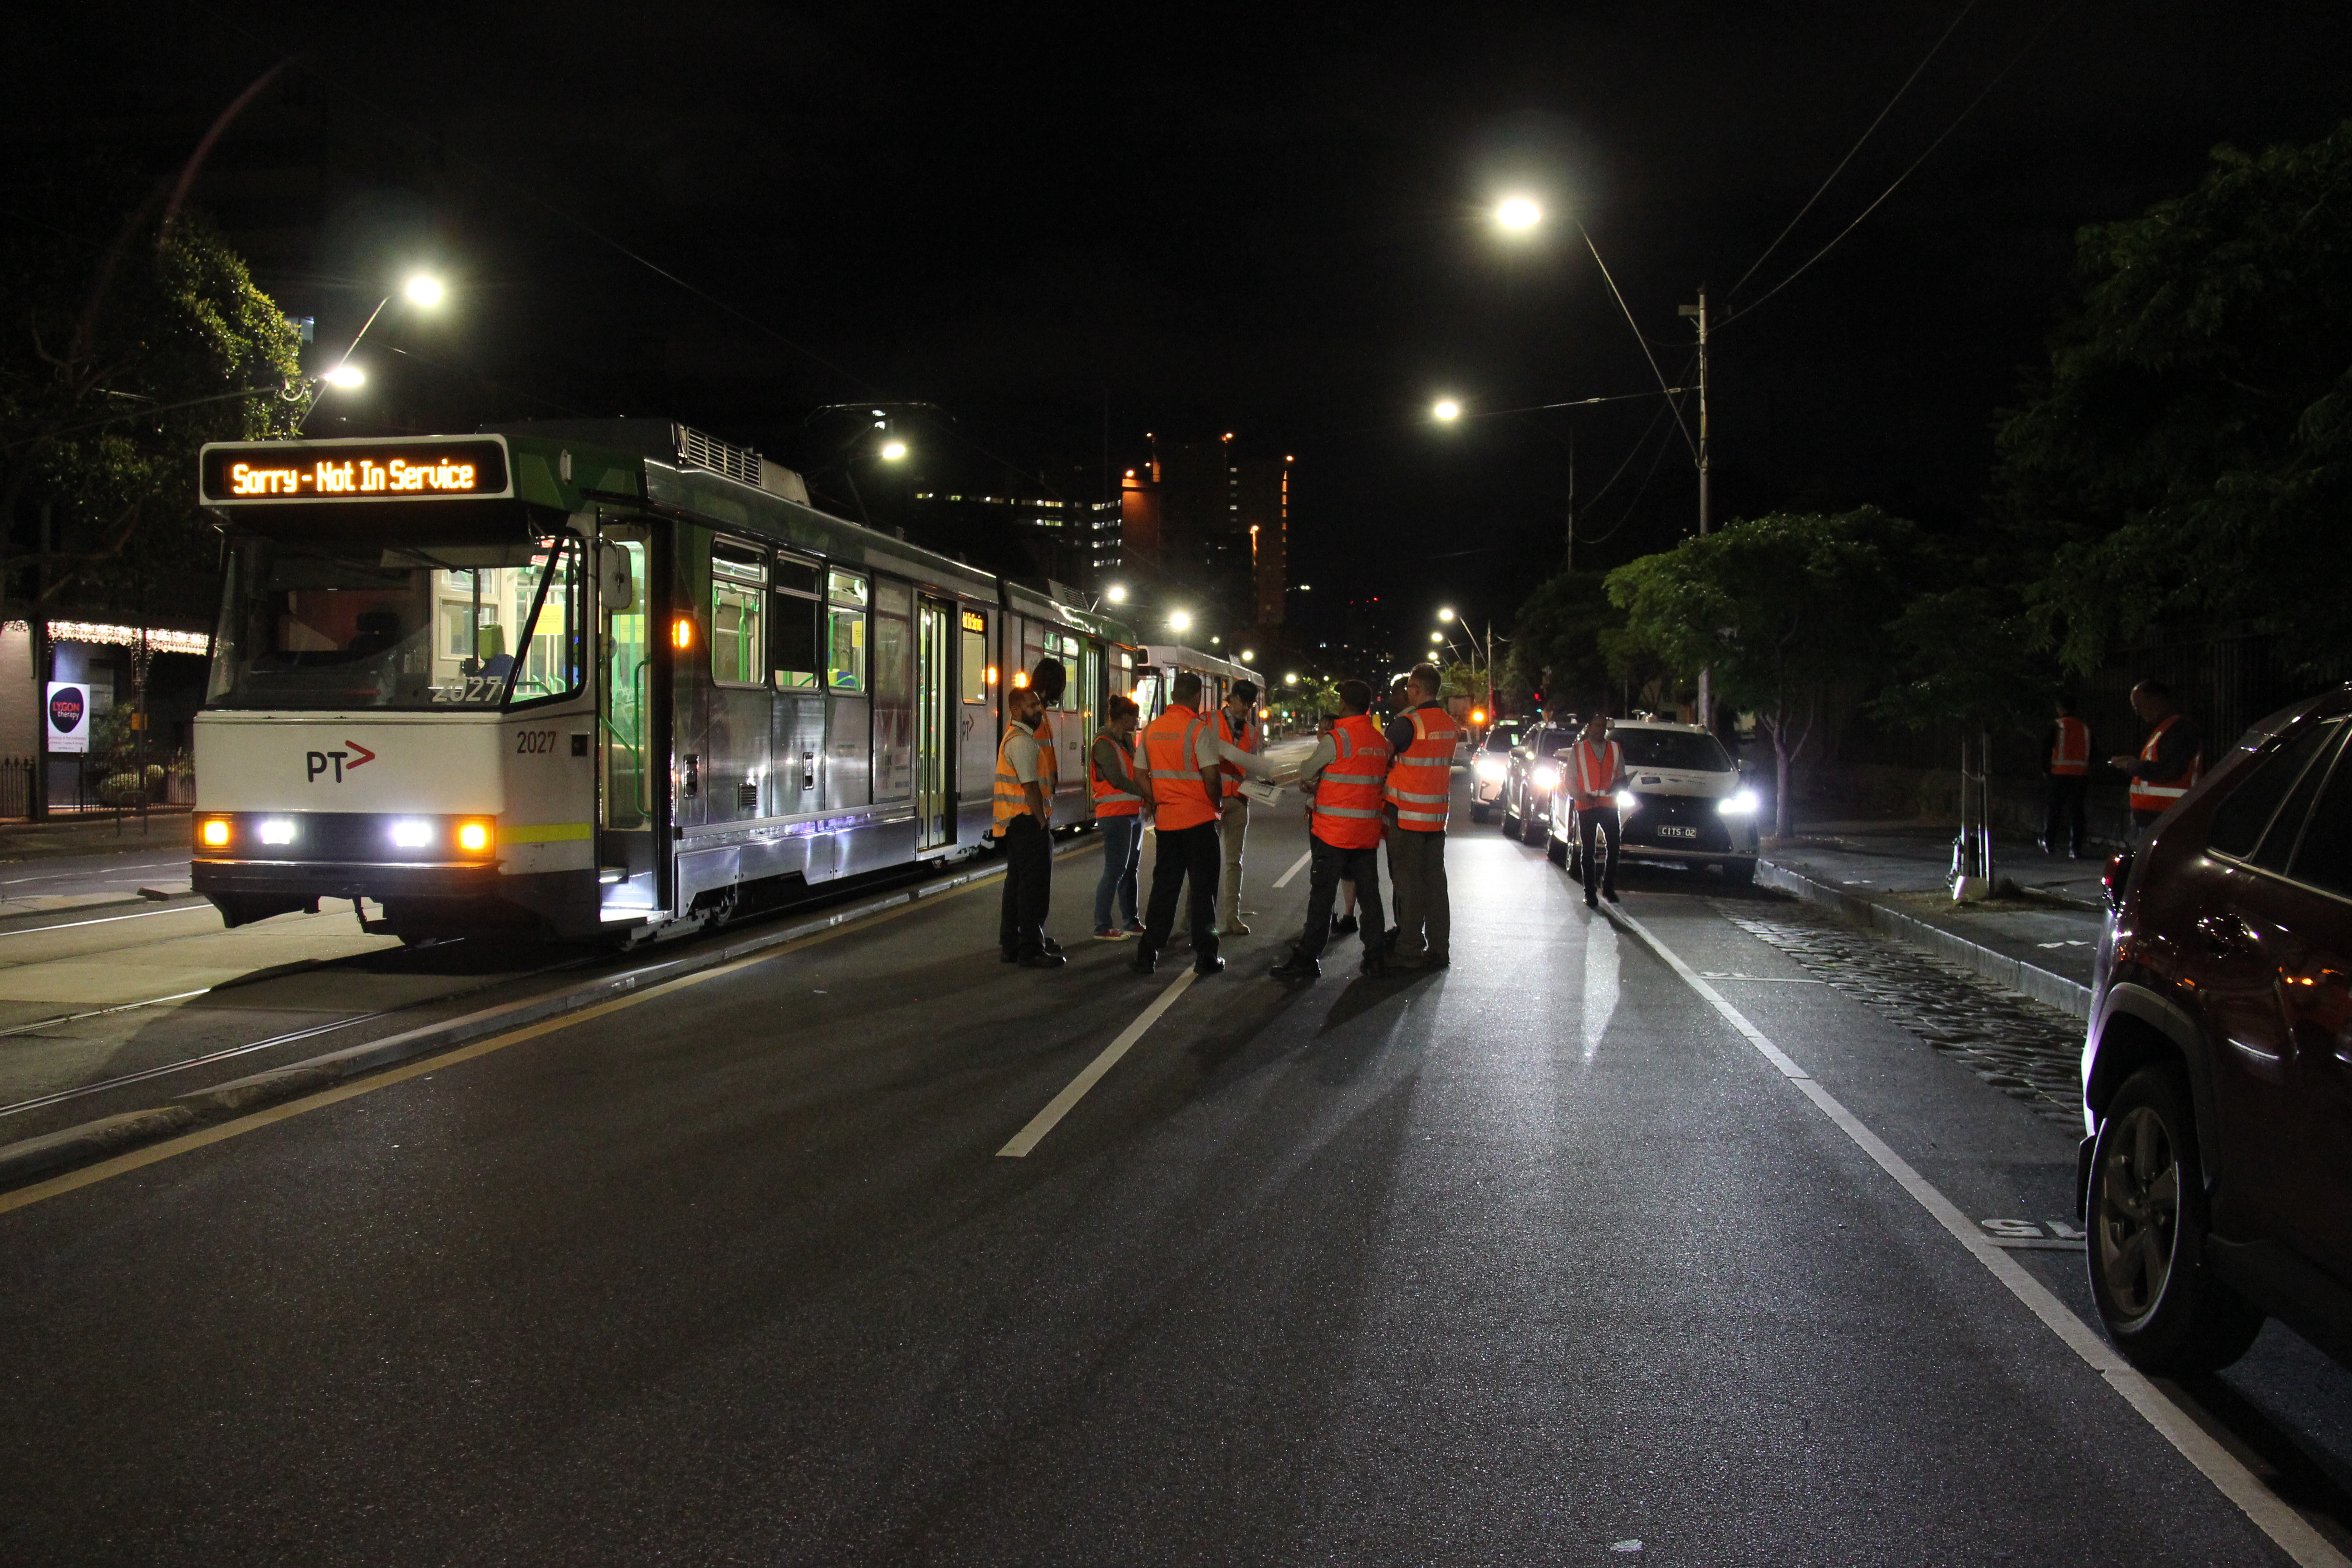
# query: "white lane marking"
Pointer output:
{"type": "Point", "coordinates": [1029, 1136]}
{"type": "Point", "coordinates": [2270, 1514]}
{"type": "Point", "coordinates": [109, 919]}
{"type": "Point", "coordinates": [1296, 866]}
{"type": "Point", "coordinates": [1600, 984]}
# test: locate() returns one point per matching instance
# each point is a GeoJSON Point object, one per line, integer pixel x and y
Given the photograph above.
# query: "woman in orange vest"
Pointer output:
{"type": "Point", "coordinates": [1345, 777]}
{"type": "Point", "coordinates": [2173, 759]}
{"type": "Point", "coordinates": [2068, 767]}
{"type": "Point", "coordinates": [1594, 769]}
{"type": "Point", "coordinates": [1119, 814]}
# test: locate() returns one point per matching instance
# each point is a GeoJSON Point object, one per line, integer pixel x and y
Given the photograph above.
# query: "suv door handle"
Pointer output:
{"type": "Point", "coordinates": [2226, 933]}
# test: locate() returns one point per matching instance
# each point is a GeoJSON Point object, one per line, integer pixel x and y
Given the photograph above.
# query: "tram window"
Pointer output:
{"type": "Point", "coordinates": [796, 576]}
{"type": "Point", "coordinates": [972, 671]}
{"type": "Point", "coordinates": [551, 648]}
{"type": "Point", "coordinates": [794, 638]}
{"type": "Point", "coordinates": [845, 661]}
{"type": "Point", "coordinates": [735, 642]}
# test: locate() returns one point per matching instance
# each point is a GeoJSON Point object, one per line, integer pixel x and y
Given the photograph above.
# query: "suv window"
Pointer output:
{"type": "Point", "coordinates": [2325, 857]}
{"type": "Point", "coordinates": [1674, 749]}
{"type": "Point", "coordinates": [2238, 824]}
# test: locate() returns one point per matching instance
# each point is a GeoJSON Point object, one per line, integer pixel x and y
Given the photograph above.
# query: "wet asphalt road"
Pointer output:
{"type": "Point", "coordinates": [1535, 1261]}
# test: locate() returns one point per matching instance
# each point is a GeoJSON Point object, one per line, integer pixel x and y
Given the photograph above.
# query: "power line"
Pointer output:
{"type": "Point", "coordinates": [1958, 121]}
{"type": "Point", "coordinates": [1619, 296]}
{"type": "Point", "coordinates": [1867, 133]}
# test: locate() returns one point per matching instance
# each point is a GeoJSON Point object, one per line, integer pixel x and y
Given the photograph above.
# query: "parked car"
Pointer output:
{"type": "Point", "coordinates": [2216, 1180]}
{"type": "Point", "coordinates": [1490, 765]}
{"type": "Point", "coordinates": [1683, 804]}
{"type": "Point", "coordinates": [1530, 774]}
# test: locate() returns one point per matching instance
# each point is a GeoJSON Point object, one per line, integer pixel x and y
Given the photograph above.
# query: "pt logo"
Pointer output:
{"type": "Point", "coordinates": [319, 762]}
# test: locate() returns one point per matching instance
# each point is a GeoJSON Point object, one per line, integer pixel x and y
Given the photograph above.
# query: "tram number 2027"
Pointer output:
{"type": "Point", "coordinates": [531, 742]}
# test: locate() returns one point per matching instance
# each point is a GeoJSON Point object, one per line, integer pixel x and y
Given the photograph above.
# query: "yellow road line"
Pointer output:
{"type": "Point", "coordinates": [170, 1148]}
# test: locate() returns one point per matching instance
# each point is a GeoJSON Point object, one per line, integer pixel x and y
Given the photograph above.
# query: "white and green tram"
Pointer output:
{"type": "Point", "coordinates": [595, 679]}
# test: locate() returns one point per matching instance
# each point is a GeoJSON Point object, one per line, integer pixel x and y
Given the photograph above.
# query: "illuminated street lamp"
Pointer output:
{"type": "Point", "coordinates": [1116, 594]}
{"type": "Point", "coordinates": [422, 289]}
{"type": "Point", "coordinates": [1179, 620]}
{"type": "Point", "coordinates": [1446, 613]}
{"type": "Point", "coordinates": [1446, 411]}
{"type": "Point", "coordinates": [1248, 654]}
{"type": "Point", "coordinates": [1437, 637]}
{"type": "Point", "coordinates": [1518, 213]}
{"type": "Point", "coordinates": [344, 375]}
{"type": "Point", "coordinates": [892, 451]}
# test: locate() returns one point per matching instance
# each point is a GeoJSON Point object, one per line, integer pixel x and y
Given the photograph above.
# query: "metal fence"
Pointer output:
{"type": "Point", "coordinates": [16, 786]}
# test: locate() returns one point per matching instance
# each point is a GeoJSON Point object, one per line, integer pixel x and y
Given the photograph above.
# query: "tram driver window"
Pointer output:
{"type": "Point", "coordinates": [794, 640]}
{"type": "Point", "coordinates": [844, 663]}
{"type": "Point", "coordinates": [972, 673]}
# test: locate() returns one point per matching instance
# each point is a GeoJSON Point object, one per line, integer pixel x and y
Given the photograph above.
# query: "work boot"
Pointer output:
{"type": "Point", "coordinates": [1375, 966]}
{"type": "Point", "coordinates": [1147, 957]}
{"type": "Point", "coordinates": [1295, 968]}
{"type": "Point", "coordinates": [1609, 894]}
{"type": "Point", "coordinates": [1043, 960]}
{"type": "Point", "coordinates": [1212, 964]}
{"type": "Point", "coordinates": [1050, 945]}
{"type": "Point", "coordinates": [1344, 926]}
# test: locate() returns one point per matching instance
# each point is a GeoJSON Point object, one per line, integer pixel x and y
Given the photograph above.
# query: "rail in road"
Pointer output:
{"type": "Point", "coordinates": [1624, 1238]}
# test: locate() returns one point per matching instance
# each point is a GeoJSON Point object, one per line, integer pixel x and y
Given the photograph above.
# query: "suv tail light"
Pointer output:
{"type": "Point", "coordinates": [2117, 875]}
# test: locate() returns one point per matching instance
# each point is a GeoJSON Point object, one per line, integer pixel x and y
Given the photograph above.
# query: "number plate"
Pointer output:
{"type": "Point", "coordinates": [1669, 830]}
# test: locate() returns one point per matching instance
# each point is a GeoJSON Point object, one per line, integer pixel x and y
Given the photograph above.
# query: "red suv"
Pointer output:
{"type": "Point", "coordinates": [2216, 1073]}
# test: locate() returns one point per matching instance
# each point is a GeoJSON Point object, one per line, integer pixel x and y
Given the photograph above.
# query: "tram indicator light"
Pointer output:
{"type": "Point", "coordinates": [243, 473]}
{"type": "Point", "coordinates": [474, 837]}
{"type": "Point", "coordinates": [213, 832]}
{"type": "Point", "coordinates": [681, 633]}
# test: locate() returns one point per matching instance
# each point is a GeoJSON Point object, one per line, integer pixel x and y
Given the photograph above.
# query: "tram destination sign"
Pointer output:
{"type": "Point", "coordinates": [461, 468]}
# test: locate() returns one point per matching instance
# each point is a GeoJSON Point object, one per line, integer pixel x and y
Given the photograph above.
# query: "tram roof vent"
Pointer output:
{"type": "Point", "coordinates": [698, 450]}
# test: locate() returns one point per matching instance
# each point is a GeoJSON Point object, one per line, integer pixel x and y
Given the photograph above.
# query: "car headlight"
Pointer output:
{"type": "Point", "coordinates": [1743, 804]}
{"type": "Point", "coordinates": [1546, 778]}
{"type": "Point", "coordinates": [1490, 770]}
{"type": "Point", "coordinates": [1627, 800]}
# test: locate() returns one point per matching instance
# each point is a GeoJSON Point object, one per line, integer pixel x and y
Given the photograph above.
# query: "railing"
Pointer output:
{"type": "Point", "coordinates": [16, 786]}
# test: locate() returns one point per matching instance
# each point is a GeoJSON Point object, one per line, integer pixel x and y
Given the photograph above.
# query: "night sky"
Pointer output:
{"type": "Point", "coordinates": [1263, 220]}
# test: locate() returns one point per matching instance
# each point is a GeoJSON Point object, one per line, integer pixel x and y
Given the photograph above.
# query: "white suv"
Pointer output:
{"type": "Point", "coordinates": [1683, 802]}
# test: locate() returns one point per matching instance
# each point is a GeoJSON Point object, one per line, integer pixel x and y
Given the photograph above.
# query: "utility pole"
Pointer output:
{"type": "Point", "coordinates": [1706, 513]}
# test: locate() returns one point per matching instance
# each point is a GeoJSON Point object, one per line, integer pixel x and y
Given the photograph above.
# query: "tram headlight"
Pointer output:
{"type": "Point", "coordinates": [411, 834]}
{"type": "Point", "coordinates": [274, 830]}
{"type": "Point", "coordinates": [213, 832]}
{"type": "Point", "coordinates": [474, 837]}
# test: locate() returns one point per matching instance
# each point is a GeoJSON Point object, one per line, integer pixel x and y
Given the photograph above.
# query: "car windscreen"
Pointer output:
{"type": "Point", "coordinates": [1680, 749]}
{"type": "Point", "coordinates": [358, 622]}
{"type": "Point", "coordinates": [1502, 737]}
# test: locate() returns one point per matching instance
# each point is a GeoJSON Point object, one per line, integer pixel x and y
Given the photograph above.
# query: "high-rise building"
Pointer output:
{"type": "Point", "coordinates": [1208, 524]}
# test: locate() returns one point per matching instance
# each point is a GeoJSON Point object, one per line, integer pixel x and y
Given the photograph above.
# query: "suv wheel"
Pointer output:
{"type": "Point", "coordinates": [1510, 808]}
{"type": "Point", "coordinates": [1531, 826]}
{"type": "Point", "coordinates": [2162, 1306]}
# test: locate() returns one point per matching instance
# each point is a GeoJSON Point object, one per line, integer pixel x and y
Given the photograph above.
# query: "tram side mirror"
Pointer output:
{"type": "Point", "coordinates": [614, 585]}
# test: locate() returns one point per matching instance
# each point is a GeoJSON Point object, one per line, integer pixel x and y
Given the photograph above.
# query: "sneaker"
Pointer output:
{"type": "Point", "coordinates": [1295, 968]}
{"type": "Point", "coordinates": [1145, 961]}
{"type": "Point", "coordinates": [1111, 933]}
{"type": "Point", "coordinates": [1135, 928]}
{"type": "Point", "coordinates": [1344, 926]}
{"type": "Point", "coordinates": [1050, 945]}
{"type": "Point", "coordinates": [1233, 928]}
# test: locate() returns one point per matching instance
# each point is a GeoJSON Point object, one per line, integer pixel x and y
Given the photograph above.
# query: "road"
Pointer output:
{"type": "Point", "coordinates": [1542, 1259]}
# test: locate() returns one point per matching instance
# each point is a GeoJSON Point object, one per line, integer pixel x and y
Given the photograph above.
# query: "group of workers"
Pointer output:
{"type": "Point", "coordinates": [2171, 759]}
{"type": "Point", "coordinates": [1183, 773]}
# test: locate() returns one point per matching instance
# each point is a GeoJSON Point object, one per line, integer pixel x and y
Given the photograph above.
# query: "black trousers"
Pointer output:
{"type": "Point", "coordinates": [2065, 808]}
{"type": "Point", "coordinates": [1599, 822]}
{"type": "Point", "coordinates": [1328, 867]}
{"type": "Point", "coordinates": [1190, 853]}
{"type": "Point", "coordinates": [1028, 887]}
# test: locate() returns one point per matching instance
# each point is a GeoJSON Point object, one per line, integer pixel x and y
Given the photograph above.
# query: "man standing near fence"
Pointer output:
{"type": "Point", "coordinates": [2171, 760]}
{"type": "Point", "coordinates": [2066, 765]}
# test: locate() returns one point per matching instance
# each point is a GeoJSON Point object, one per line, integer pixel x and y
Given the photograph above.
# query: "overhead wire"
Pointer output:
{"type": "Point", "coordinates": [1868, 131]}
{"type": "Point", "coordinates": [1619, 296]}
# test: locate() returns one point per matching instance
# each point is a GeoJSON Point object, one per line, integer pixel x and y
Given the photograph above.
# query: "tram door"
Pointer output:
{"type": "Point", "coordinates": [934, 737]}
{"type": "Point", "coordinates": [626, 755]}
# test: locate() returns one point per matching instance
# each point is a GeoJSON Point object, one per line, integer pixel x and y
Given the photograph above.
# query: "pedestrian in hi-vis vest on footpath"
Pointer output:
{"type": "Point", "coordinates": [2066, 765]}
{"type": "Point", "coordinates": [1345, 778]}
{"type": "Point", "coordinates": [1420, 786]}
{"type": "Point", "coordinates": [2172, 759]}
{"type": "Point", "coordinates": [1596, 771]}
{"type": "Point", "coordinates": [1024, 819]}
{"type": "Point", "coordinates": [1237, 726]}
{"type": "Point", "coordinates": [1183, 786]}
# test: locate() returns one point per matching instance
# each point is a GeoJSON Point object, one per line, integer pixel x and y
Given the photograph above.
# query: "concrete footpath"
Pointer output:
{"type": "Point", "coordinates": [2039, 939]}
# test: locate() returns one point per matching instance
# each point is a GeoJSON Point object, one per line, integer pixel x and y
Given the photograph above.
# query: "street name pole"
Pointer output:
{"type": "Point", "coordinates": [1706, 513]}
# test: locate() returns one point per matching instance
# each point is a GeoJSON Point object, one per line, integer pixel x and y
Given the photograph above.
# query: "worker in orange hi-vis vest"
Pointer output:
{"type": "Point", "coordinates": [1593, 770]}
{"type": "Point", "coordinates": [1183, 786]}
{"type": "Point", "coordinates": [2169, 763]}
{"type": "Point", "coordinates": [1237, 726]}
{"type": "Point", "coordinates": [1345, 776]}
{"type": "Point", "coordinates": [2067, 765]}
{"type": "Point", "coordinates": [1421, 785]}
{"type": "Point", "coordinates": [1024, 829]}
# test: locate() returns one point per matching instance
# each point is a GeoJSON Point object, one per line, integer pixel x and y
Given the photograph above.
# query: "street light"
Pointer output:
{"type": "Point", "coordinates": [893, 450]}
{"type": "Point", "coordinates": [1116, 594]}
{"type": "Point", "coordinates": [1446, 613]}
{"type": "Point", "coordinates": [1290, 678]}
{"type": "Point", "coordinates": [1179, 621]}
{"type": "Point", "coordinates": [1437, 637]}
{"type": "Point", "coordinates": [344, 375]}
{"type": "Point", "coordinates": [1518, 213]}
{"type": "Point", "coordinates": [1446, 411]}
{"type": "Point", "coordinates": [1248, 654]}
{"type": "Point", "coordinates": [423, 288]}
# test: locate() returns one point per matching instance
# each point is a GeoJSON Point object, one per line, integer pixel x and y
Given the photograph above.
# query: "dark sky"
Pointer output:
{"type": "Point", "coordinates": [1264, 218]}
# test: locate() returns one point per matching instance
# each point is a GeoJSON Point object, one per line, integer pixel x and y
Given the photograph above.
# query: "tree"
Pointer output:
{"type": "Point", "coordinates": [123, 347]}
{"type": "Point", "coordinates": [1555, 638]}
{"type": "Point", "coordinates": [1786, 612]}
{"type": "Point", "coordinates": [2188, 452]}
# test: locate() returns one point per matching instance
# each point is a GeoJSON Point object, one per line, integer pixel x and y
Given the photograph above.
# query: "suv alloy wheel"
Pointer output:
{"type": "Point", "coordinates": [2147, 1216]}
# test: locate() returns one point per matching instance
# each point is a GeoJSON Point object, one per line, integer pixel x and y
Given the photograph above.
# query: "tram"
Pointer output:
{"type": "Point", "coordinates": [599, 679]}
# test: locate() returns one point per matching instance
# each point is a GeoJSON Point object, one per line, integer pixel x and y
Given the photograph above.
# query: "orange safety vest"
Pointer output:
{"type": "Point", "coordinates": [1421, 781]}
{"type": "Point", "coordinates": [1346, 810]}
{"type": "Point", "coordinates": [1249, 740]}
{"type": "Point", "coordinates": [1109, 799]}
{"type": "Point", "coordinates": [2149, 795]}
{"type": "Point", "coordinates": [1179, 797]}
{"type": "Point", "coordinates": [1012, 796]}
{"type": "Point", "coordinates": [1595, 772]}
{"type": "Point", "coordinates": [2071, 757]}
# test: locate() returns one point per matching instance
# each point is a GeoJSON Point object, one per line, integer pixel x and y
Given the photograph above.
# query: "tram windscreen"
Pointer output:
{"type": "Point", "coordinates": [353, 623]}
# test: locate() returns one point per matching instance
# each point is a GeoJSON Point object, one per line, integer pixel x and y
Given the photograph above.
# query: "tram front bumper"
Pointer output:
{"type": "Point", "coordinates": [308, 879]}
